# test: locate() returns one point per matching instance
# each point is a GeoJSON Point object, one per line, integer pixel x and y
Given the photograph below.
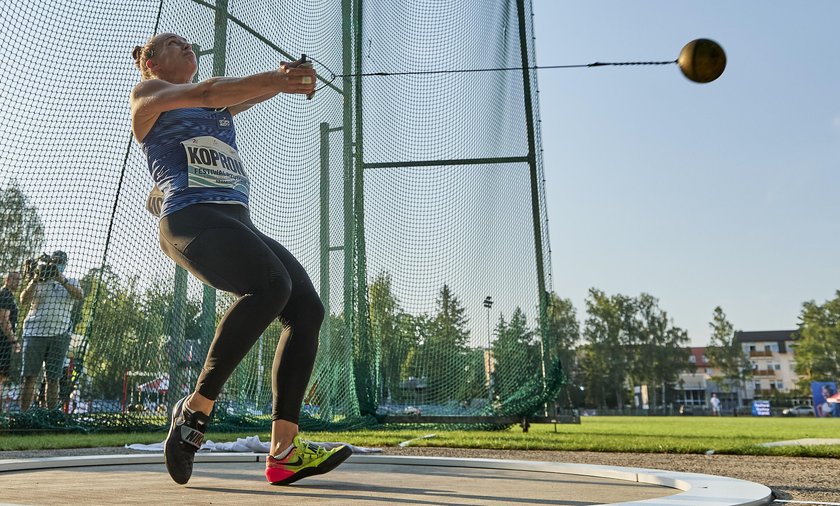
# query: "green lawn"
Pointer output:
{"type": "Point", "coordinates": [607, 434]}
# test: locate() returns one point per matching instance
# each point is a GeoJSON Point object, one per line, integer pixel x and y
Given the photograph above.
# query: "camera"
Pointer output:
{"type": "Point", "coordinates": [43, 268]}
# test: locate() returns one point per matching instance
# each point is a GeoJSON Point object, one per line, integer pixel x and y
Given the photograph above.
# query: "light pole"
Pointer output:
{"type": "Point", "coordinates": [488, 303]}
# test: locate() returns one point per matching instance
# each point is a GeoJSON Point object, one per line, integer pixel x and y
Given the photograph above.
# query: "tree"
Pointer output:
{"type": "Point", "coordinates": [562, 335]}
{"type": "Point", "coordinates": [629, 341]}
{"type": "Point", "coordinates": [366, 357]}
{"type": "Point", "coordinates": [726, 354]}
{"type": "Point", "coordinates": [333, 385]}
{"type": "Point", "coordinates": [21, 230]}
{"type": "Point", "coordinates": [672, 358]}
{"type": "Point", "coordinates": [604, 360]}
{"type": "Point", "coordinates": [395, 333]}
{"type": "Point", "coordinates": [416, 331]}
{"type": "Point", "coordinates": [659, 352]}
{"type": "Point", "coordinates": [515, 354]}
{"type": "Point", "coordinates": [128, 332]}
{"type": "Point", "coordinates": [818, 341]}
{"type": "Point", "coordinates": [443, 354]}
{"type": "Point", "coordinates": [475, 378]}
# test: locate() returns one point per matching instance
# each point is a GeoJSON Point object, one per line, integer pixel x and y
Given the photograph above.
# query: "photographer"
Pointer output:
{"type": "Point", "coordinates": [46, 329]}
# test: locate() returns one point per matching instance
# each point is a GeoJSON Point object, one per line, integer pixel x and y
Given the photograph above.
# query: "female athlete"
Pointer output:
{"type": "Point", "coordinates": [187, 133]}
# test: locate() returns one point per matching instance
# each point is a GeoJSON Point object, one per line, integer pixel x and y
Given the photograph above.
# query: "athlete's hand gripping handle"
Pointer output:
{"type": "Point", "coordinates": [305, 63]}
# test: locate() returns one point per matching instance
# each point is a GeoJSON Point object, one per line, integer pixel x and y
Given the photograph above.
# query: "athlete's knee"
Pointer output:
{"type": "Point", "coordinates": [317, 312]}
{"type": "Point", "coordinates": [313, 313]}
{"type": "Point", "coordinates": [276, 288]}
{"type": "Point", "coordinates": [305, 313]}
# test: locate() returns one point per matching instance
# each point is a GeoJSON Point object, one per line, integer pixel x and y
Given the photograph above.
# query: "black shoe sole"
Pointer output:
{"type": "Point", "coordinates": [325, 467]}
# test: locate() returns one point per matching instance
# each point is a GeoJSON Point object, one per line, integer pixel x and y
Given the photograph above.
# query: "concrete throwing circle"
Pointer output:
{"type": "Point", "coordinates": [236, 478]}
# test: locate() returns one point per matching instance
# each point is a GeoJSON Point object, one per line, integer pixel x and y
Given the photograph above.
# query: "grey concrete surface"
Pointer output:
{"type": "Point", "coordinates": [351, 483]}
{"type": "Point", "coordinates": [236, 478]}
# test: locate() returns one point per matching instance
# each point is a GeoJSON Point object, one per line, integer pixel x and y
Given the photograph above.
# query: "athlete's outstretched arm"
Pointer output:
{"type": "Point", "coordinates": [235, 109]}
{"type": "Point", "coordinates": [155, 96]}
{"type": "Point", "coordinates": [152, 97]}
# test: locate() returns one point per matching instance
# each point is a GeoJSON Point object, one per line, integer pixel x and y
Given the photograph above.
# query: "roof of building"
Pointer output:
{"type": "Point", "coordinates": [764, 335]}
{"type": "Point", "coordinates": [699, 356]}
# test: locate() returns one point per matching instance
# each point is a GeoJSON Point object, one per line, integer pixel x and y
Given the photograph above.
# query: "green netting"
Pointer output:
{"type": "Point", "coordinates": [409, 199]}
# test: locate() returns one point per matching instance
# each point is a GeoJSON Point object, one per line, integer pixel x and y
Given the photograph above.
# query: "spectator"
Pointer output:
{"type": "Point", "coordinates": [714, 402]}
{"type": "Point", "coordinates": [46, 329]}
{"type": "Point", "coordinates": [8, 324]}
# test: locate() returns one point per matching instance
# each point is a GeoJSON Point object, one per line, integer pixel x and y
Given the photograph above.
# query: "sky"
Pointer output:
{"type": "Point", "coordinates": [702, 195]}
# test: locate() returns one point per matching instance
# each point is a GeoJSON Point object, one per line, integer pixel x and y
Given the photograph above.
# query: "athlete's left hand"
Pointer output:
{"type": "Point", "coordinates": [300, 79]}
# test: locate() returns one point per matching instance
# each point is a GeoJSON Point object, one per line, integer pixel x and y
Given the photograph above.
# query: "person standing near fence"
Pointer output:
{"type": "Point", "coordinates": [46, 329]}
{"type": "Point", "coordinates": [187, 133]}
{"type": "Point", "coordinates": [714, 402]}
{"type": "Point", "coordinates": [8, 324]}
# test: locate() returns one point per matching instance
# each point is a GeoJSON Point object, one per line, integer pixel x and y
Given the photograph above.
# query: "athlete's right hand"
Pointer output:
{"type": "Point", "coordinates": [296, 79]}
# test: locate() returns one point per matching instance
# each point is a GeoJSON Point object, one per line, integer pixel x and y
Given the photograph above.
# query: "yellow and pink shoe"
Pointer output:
{"type": "Point", "coordinates": [305, 459]}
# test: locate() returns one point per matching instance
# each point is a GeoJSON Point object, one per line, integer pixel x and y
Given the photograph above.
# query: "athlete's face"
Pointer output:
{"type": "Point", "coordinates": [173, 58]}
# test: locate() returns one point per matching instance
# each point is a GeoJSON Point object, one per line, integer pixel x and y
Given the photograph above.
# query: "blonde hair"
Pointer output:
{"type": "Point", "coordinates": [141, 55]}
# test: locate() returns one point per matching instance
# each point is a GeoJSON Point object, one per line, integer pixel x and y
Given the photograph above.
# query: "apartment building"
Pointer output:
{"type": "Point", "coordinates": [772, 356]}
{"type": "Point", "coordinates": [694, 385]}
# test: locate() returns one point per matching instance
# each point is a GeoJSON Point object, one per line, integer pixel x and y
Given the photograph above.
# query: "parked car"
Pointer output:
{"type": "Point", "coordinates": [799, 411]}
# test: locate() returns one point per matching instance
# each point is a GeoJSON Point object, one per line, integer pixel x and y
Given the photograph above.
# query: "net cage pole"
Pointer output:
{"type": "Point", "coordinates": [367, 370]}
{"type": "Point", "coordinates": [349, 246]}
{"type": "Point", "coordinates": [351, 321]}
{"type": "Point", "coordinates": [324, 247]}
{"type": "Point", "coordinates": [535, 199]}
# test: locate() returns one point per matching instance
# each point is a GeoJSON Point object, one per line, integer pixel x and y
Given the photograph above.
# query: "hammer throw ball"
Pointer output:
{"type": "Point", "coordinates": [702, 60]}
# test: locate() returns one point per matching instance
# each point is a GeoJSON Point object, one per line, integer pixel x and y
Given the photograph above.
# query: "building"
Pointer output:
{"type": "Point", "coordinates": [693, 386]}
{"type": "Point", "coordinates": [772, 356]}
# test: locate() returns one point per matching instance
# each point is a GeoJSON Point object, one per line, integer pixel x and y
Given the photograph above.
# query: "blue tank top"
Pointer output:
{"type": "Point", "coordinates": [193, 158]}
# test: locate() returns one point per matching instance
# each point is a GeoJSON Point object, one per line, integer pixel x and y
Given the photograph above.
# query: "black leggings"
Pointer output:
{"type": "Point", "coordinates": [219, 245]}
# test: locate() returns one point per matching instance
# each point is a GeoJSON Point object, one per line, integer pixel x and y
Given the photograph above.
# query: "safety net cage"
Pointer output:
{"type": "Point", "coordinates": [410, 189]}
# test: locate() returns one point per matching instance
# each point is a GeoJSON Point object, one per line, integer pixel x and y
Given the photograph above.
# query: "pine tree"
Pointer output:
{"type": "Point", "coordinates": [444, 353]}
{"type": "Point", "coordinates": [515, 354]}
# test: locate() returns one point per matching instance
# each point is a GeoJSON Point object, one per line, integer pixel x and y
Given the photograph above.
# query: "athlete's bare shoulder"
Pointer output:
{"type": "Point", "coordinates": [142, 116]}
{"type": "Point", "coordinates": [147, 88]}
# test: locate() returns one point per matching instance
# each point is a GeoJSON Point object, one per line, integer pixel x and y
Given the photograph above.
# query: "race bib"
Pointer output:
{"type": "Point", "coordinates": [212, 163]}
{"type": "Point", "coordinates": [154, 202]}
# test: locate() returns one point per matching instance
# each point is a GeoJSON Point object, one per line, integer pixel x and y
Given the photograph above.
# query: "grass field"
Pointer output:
{"type": "Point", "coordinates": [739, 436]}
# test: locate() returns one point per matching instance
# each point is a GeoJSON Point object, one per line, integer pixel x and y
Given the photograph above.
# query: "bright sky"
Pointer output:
{"type": "Point", "coordinates": [701, 195]}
